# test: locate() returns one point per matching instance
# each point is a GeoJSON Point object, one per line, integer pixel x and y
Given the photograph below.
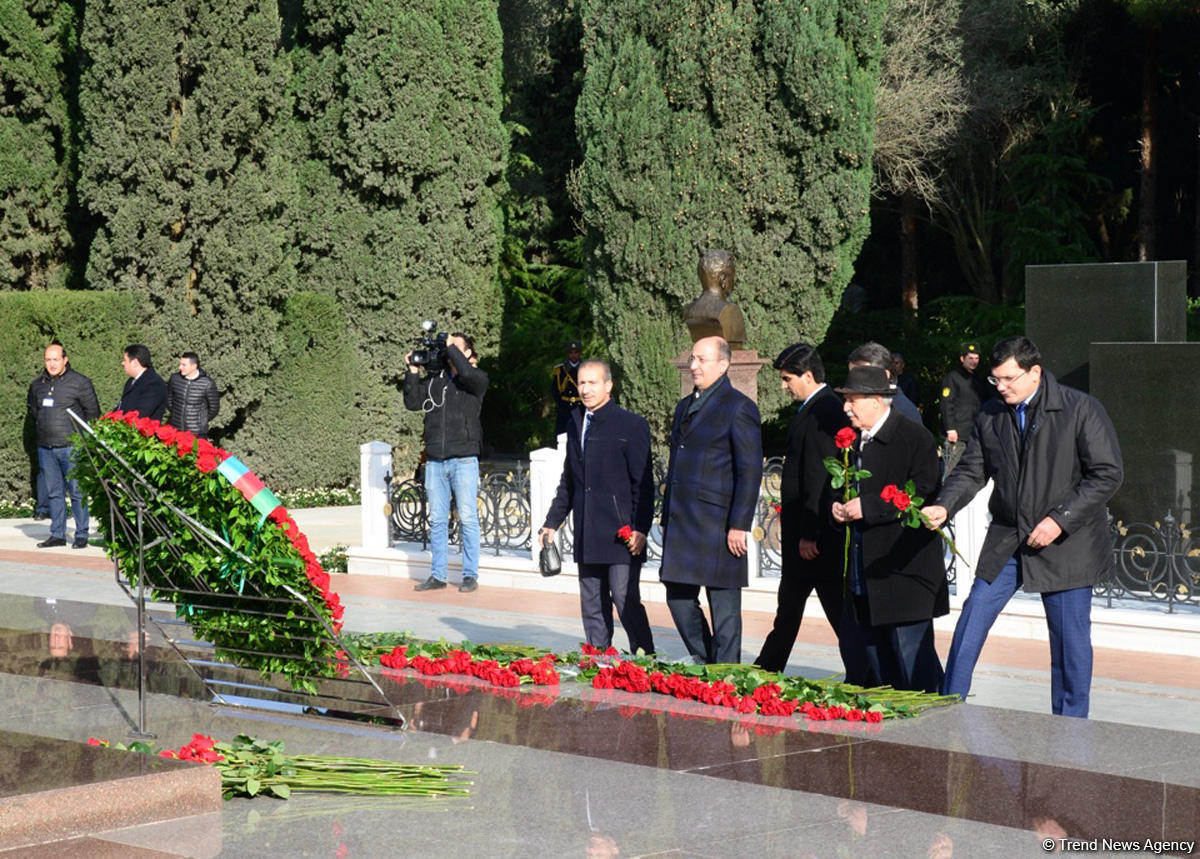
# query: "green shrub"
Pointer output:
{"type": "Point", "coordinates": [93, 327]}
{"type": "Point", "coordinates": [305, 432]}
{"type": "Point", "coordinates": [744, 126]}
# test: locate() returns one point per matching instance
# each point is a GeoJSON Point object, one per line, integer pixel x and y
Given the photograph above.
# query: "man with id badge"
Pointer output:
{"type": "Point", "coordinates": [50, 395]}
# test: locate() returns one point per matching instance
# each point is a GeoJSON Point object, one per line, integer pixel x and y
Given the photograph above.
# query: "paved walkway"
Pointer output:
{"type": "Point", "coordinates": [589, 776]}
{"type": "Point", "coordinates": [1129, 687]}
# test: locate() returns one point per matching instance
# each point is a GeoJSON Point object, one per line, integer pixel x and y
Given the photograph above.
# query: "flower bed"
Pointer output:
{"type": "Point", "coordinates": [247, 611]}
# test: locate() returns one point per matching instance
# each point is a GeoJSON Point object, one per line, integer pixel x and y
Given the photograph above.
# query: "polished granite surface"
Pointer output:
{"type": "Point", "coordinates": [578, 771]}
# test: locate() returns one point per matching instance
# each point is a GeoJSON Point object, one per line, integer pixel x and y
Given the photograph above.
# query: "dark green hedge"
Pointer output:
{"type": "Point", "coordinates": [305, 431]}
{"type": "Point", "coordinates": [93, 327]}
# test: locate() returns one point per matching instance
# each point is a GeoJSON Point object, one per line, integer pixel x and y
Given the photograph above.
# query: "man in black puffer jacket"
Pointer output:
{"type": "Point", "coordinates": [192, 397]}
{"type": "Point", "coordinates": [50, 395]}
{"type": "Point", "coordinates": [451, 398]}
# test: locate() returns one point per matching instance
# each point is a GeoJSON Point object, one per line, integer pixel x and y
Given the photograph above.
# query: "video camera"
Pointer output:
{"type": "Point", "coordinates": [432, 352]}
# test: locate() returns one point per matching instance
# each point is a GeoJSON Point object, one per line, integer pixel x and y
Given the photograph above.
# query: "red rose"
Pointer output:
{"type": "Point", "coordinates": [889, 492]}
{"type": "Point", "coordinates": [874, 716]}
{"type": "Point", "coordinates": [184, 443]}
{"type": "Point", "coordinates": [855, 716]}
{"type": "Point", "coordinates": [92, 741]}
{"type": "Point", "coordinates": [166, 433]}
{"type": "Point", "coordinates": [845, 437]}
{"type": "Point", "coordinates": [206, 463]}
{"type": "Point", "coordinates": [625, 534]}
{"type": "Point", "coordinates": [902, 501]}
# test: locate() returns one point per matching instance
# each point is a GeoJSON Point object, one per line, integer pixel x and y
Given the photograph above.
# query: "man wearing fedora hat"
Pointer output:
{"type": "Point", "coordinates": [896, 581]}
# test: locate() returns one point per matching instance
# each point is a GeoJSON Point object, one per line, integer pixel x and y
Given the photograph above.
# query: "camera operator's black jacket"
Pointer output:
{"type": "Point", "coordinates": [451, 404]}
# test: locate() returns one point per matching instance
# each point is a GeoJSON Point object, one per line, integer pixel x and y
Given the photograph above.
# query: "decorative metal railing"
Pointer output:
{"type": "Point", "coordinates": [1157, 563]}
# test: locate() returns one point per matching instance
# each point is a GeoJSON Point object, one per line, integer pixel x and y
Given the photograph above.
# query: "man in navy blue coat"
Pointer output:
{"type": "Point", "coordinates": [608, 483]}
{"type": "Point", "coordinates": [708, 508]}
{"type": "Point", "coordinates": [145, 392]}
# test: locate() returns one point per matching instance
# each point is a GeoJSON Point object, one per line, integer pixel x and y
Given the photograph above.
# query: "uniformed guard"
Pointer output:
{"type": "Point", "coordinates": [963, 392]}
{"type": "Point", "coordinates": [564, 389]}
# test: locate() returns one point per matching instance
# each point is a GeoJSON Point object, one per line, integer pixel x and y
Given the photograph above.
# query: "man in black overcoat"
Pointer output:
{"type": "Point", "coordinates": [811, 544]}
{"type": "Point", "coordinates": [608, 484]}
{"type": "Point", "coordinates": [145, 392]}
{"type": "Point", "coordinates": [708, 508]}
{"type": "Point", "coordinates": [897, 579]}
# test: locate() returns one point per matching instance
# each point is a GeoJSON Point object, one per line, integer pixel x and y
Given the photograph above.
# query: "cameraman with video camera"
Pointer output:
{"type": "Point", "coordinates": [451, 396]}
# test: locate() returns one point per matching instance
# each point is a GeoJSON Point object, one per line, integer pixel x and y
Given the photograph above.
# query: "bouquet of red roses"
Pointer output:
{"type": "Point", "coordinates": [845, 477]}
{"type": "Point", "coordinates": [908, 504]}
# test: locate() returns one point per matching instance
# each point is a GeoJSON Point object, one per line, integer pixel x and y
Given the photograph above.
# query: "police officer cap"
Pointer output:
{"type": "Point", "coordinates": [574, 346]}
{"type": "Point", "coordinates": [969, 348]}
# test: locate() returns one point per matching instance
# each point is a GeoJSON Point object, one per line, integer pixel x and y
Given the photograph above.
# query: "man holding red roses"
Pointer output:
{"type": "Point", "coordinates": [608, 483]}
{"type": "Point", "coordinates": [896, 581]}
{"type": "Point", "coordinates": [1054, 460]}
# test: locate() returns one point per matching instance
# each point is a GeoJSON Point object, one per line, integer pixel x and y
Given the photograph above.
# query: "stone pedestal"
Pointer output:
{"type": "Point", "coordinates": [375, 465]}
{"type": "Point", "coordinates": [743, 372]}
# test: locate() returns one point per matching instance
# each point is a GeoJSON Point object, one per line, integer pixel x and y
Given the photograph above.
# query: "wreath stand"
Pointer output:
{"type": "Point", "coordinates": [148, 519]}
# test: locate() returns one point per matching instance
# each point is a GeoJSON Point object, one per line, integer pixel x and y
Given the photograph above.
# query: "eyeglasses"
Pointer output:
{"type": "Point", "coordinates": [1005, 380]}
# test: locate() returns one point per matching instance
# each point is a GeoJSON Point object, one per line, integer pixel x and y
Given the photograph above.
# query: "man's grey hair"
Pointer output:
{"type": "Point", "coordinates": [723, 350]}
{"type": "Point", "coordinates": [873, 355]}
{"type": "Point", "coordinates": [596, 362]}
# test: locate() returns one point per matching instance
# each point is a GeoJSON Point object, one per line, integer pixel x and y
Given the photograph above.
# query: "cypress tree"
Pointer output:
{"type": "Point", "coordinates": [400, 102]}
{"type": "Point", "coordinates": [37, 40]}
{"type": "Point", "coordinates": [722, 124]}
{"type": "Point", "coordinates": [185, 168]}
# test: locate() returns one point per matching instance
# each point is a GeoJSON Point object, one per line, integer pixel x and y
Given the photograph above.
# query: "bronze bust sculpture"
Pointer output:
{"type": "Point", "coordinates": [712, 315]}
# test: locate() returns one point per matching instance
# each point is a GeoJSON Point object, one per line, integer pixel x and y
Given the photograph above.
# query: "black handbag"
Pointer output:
{"type": "Point", "coordinates": [549, 559]}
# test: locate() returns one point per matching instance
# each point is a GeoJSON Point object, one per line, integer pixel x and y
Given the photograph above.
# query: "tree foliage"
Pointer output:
{"type": "Point", "coordinates": [403, 152]}
{"type": "Point", "coordinates": [37, 41]}
{"type": "Point", "coordinates": [1015, 66]}
{"type": "Point", "coordinates": [920, 99]}
{"type": "Point", "coordinates": [186, 171]}
{"type": "Point", "coordinates": [707, 124]}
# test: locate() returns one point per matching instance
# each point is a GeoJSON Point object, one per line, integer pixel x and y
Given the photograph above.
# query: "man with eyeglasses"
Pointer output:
{"type": "Point", "coordinates": [1053, 456]}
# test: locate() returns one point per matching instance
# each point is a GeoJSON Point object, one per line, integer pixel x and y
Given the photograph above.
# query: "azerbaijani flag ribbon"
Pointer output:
{"type": "Point", "coordinates": [246, 482]}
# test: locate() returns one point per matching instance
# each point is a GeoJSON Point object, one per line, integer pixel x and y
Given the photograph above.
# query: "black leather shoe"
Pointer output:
{"type": "Point", "coordinates": [430, 584]}
{"type": "Point", "coordinates": [51, 543]}
{"type": "Point", "coordinates": [79, 544]}
{"type": "Point", "coordinates": [40, 517]}
{"type": "Point", "coordinates": [468, 585]}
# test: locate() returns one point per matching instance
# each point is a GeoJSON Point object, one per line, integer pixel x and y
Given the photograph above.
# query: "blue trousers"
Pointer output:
{"type": "Point", "coordinates": [55, 464]}
{"type": "Point", "coordinates": [459, 476]}
{"type": "Point", "coordinates": [1069, 618]}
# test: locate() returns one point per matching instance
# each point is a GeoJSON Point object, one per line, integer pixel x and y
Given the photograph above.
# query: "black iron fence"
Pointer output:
{"type": "Point", "coordinates": [504, 515]}
{"type": "Point", "coordinates": [1154, 562]}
